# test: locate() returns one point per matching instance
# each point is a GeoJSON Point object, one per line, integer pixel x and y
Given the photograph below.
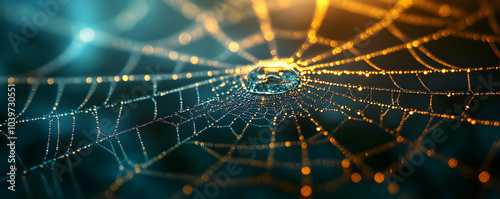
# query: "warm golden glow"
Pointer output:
{"type": "Point", "coordinates": [306, 170]}
{"type": "Point", "coordinates": [484, 177]}
{"type": "Point", "coordinates": [379, 177]}
{"type": "Point", "coordinates": [393, 188]}
{"type": "Point", "coordinates": [184, 38]}
{"type": "Point", "coordinates": [233, 46]}
{"type": "Point", "coordinates": [345, 163]}
{"type": "Point", "coordinates": [306, 190]}
{"type": "Point", "coordinates": [452, 162]}
{"type": "Point", "coordinates": [187, 189]}
{"type": "Point", "coordinates": [356, 177]}
{"type": "Point", "coordinates": [11, 80]}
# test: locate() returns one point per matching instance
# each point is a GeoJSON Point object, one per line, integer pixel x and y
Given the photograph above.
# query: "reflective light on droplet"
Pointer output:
{"type": "Point", "coordinates": [271, 77]}
{"type": "Point", "coordinates": [87, 34]}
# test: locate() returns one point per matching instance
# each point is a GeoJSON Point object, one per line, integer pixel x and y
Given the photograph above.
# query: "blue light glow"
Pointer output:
{"type": "Point", "coordinates": [87, 34]}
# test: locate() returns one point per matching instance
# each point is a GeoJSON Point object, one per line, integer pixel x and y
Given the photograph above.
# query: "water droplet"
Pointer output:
{"type": "Point", "coordinates": [272, 78]}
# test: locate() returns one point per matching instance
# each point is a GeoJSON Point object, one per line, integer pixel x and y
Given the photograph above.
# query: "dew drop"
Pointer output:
{"type": "Point", "coordinates": [272, 78]}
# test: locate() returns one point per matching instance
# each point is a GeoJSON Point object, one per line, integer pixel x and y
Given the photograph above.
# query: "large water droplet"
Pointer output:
{"type": "Point", "coordinates": [272, 78]}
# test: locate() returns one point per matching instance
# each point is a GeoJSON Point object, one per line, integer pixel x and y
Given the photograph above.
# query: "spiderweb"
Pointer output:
{"type": "Point", "coordinates": [396, 98]}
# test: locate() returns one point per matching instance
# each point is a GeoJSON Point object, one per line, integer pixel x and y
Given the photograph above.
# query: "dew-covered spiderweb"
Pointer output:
{"type": "Point", "coordinates": [395, 99]}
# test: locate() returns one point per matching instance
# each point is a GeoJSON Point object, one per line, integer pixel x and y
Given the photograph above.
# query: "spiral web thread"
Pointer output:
{"type": "Point", "coordinates": [228, 103]}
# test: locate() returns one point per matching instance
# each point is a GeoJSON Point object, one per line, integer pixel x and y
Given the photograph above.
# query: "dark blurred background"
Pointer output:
{"type": "Point", "coordinates": [148, 22]}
